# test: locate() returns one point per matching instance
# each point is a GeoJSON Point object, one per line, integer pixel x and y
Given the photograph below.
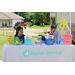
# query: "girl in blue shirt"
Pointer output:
{"type": "Point", "coordinates": [19, 33]}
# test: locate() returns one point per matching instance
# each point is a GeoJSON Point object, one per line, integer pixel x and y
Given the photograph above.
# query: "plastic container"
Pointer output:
{"type": "Point", "coordinates": [57, 42]}
{"type": "Point", "coordinates": [49, 41]}
{"type": "Point", "coordinates": [57, 39]}
{"type": "Point", "coordinates": [61, 41]}
{"type": "Point", "coordinates": [40, 39]}
{"type": "Point", "coordinates": [27, 40]}
{"type": "Point", "coordinates": [37, 42]}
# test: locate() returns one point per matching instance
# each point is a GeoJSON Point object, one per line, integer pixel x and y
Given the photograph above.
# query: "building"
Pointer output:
{"type": "Point", "coordinates": [8, 19]}
{"type": "Point", "coordinates": [64, 16]}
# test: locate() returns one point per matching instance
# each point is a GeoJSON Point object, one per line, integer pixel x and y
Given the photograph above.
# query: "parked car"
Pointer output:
{"type": "Point", "coordinates": [20, 23]}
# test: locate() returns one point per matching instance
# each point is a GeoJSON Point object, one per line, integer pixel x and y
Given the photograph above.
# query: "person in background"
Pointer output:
{"type": "Point", "coordinates": [19, 33]}
{"type": "Point", "coordinates": [53, 28]}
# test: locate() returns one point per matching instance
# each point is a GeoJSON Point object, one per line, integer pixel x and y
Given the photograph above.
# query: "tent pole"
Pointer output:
{"type": "Point", "coordinates": [50, 24]}
{"type": "Point", "coordinates": [70, 22]}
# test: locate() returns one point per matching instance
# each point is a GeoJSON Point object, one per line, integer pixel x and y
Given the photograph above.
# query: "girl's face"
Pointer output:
{"type": "Point", "coordinates": [53, 30]}
{"type": "Point", "coordinates": [20, 31]}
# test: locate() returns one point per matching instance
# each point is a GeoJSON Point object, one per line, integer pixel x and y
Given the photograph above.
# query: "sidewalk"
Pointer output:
{"type": "Point", "coordinates": [32, 34]}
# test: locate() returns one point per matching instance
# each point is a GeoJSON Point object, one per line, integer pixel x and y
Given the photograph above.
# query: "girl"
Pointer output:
{"type": "Point", "coordinates": [52, 32]}
{"type": "Point", "coordinates": [19, 33]}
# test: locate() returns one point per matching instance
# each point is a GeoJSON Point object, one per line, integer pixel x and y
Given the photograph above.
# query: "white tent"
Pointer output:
{"type": "Point", "coordinates": [70, 22]}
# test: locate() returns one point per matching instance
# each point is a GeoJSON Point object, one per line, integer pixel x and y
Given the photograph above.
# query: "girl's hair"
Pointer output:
{"type": "Point", "coordinates": [53, 27]}
{"type": "Point", "coordinates": [18, 28]}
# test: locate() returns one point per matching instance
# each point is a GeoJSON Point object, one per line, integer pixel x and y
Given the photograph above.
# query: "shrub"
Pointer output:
{"type": "Point", "coordinates": [73, 41]}
{"type": "Point", "coordinates": [43, 37]}
{"type": "Point", "coordinates": [46, 32]}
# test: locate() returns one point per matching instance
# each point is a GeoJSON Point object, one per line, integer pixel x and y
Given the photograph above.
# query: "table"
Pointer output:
{"type": "Point", "coordinates": [38, 53]}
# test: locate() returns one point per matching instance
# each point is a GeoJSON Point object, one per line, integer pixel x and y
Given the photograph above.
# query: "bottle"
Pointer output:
{"type": "Point", "coordinates": [40, 39]}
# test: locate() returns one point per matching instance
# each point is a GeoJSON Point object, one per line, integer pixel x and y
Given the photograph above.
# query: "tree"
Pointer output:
{"type": "Point", "coordinates": [35, 17]}
{"type": "Point", "coordinates": [38, 17]}
{"type": "Point", "coordinates": [25, 15]}
{"type": "Point", "coordinates": [46, 17]}
{"type": "Point", "coordinates": [42, 17]}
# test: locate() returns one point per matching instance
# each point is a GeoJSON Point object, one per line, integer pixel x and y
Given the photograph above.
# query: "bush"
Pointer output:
{"type": "Point", "coordinates": [73, 41]}
{"type": "Point", "coordinates": [46, 32]}
{"type": "Point", "coordinates": [43, 37]}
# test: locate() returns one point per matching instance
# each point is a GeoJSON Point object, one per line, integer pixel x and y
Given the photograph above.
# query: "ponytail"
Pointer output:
{"type": "Point", "coordinates": [18, 28]}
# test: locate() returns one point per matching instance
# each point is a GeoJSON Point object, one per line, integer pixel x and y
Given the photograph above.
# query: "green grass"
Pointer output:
{"type": "Point", "coordinates": [40, 27]}
{"type": "Point", "coordinates": [4, 34]}
{"type": "Point", "coordinates": [3, 40]}
{"type": "Point", "coordinates": [34, 27]}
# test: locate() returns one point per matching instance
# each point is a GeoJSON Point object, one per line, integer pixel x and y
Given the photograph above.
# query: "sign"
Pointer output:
{"type": "Point", "coordinates": [68, 39]}
{"type": "Point", "coordinates": [27, 53]}
{"type": "Point", "coordinates": [10, 39]}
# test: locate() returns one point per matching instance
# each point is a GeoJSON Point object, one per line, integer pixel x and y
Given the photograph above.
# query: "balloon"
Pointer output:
{"type": "Point", "coordinates": [62, 28]}
{"type": "Point", "coordinates": [63, 25]}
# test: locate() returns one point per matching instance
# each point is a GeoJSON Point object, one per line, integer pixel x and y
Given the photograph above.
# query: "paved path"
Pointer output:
{"type": "Point", "coordinates": [35, 30]}
{"type": "Point", "coordinates": [26, 31]}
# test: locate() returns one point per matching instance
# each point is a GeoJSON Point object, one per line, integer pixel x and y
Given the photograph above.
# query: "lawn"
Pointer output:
{"type": "Point", "coordinates": [4, 34]}
{"type": "Point", "coordinates": [3, 40]}
{"type": "Point", "coordinates": [40, 27]}
{"type": "Point", "coordinates": [34, 27]}
{"type": "Point", "coordinates": [7, 29]}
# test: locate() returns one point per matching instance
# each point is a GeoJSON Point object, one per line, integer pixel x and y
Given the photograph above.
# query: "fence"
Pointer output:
{"type": "Point", "coordinates": [5, 32]}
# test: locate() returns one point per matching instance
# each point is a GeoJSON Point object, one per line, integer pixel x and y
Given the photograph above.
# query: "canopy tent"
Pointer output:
{"type": "Point", "coordinates": [70, 22]}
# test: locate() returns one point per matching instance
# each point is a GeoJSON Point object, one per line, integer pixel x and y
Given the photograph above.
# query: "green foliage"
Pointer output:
{"type": "Point", "coordinates": [42, 17]}
{"type": "Point", "coordinates": [46, 17]}
{"type": "Point", "coordinates": [73, 41]}
{"type": "Point", "coordinates": [43, 37]}
{"type": "Point", "coordinates": [53, 21]}
{"type": "Point", "coordinates": [36, 17]}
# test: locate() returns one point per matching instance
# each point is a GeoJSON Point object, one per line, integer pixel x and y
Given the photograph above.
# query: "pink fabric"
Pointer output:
{"type": "Point", "coordinates": [50, 34]}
